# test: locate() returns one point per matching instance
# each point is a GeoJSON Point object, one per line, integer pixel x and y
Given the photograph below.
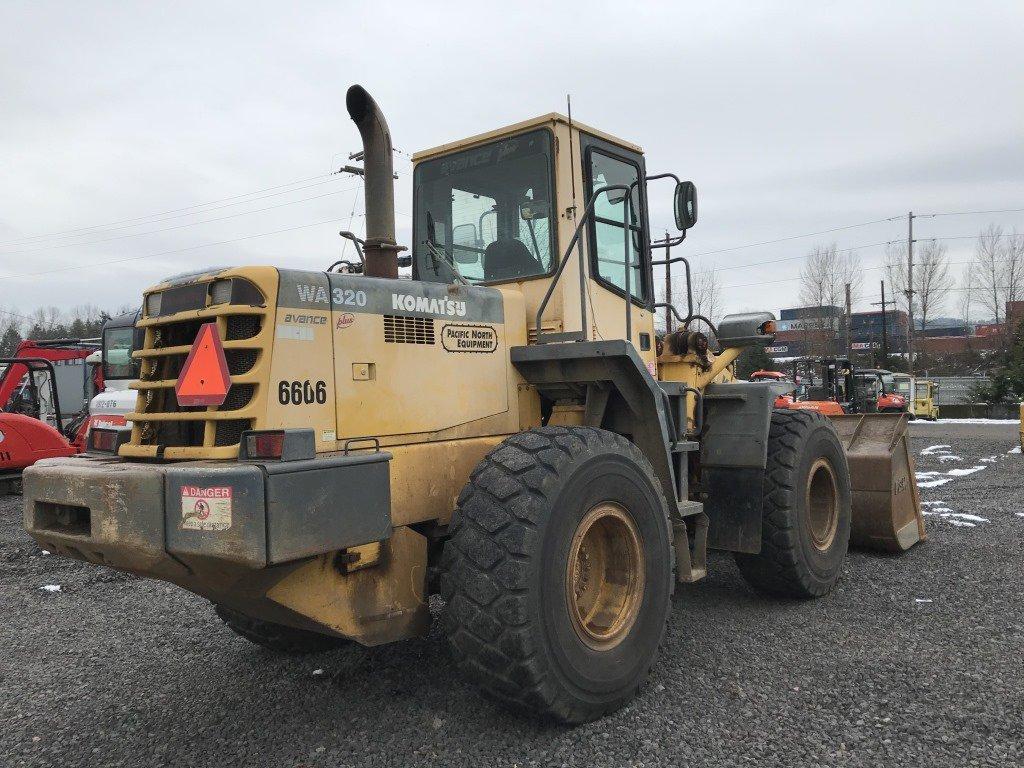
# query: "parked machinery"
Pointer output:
{"type": "Point", "coordinates": [317, 452]}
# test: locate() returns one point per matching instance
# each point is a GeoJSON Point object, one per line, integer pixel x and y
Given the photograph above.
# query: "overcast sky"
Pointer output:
{"type": "Point", "coordinates": [790, 117]}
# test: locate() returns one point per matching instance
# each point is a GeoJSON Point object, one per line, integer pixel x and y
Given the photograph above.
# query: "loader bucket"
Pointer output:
{"type": "Point", "coordinates": [886, 504]}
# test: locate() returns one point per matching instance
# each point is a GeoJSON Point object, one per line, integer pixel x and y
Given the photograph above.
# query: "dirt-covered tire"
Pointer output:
{"type": "Point", "coordinates": [806, 527]}
{"type": "Point", "coordinates": [278, 637]}
{"type": "Point", "coordinates": [558, 574]}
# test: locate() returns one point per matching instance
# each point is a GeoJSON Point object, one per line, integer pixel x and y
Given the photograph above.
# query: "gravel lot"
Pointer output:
{"type": "Point", "coordinates": [912, 660]}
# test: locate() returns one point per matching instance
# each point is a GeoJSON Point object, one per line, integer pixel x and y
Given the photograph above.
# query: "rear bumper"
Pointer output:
{"type": "Point", "coordinates": [164, 519]}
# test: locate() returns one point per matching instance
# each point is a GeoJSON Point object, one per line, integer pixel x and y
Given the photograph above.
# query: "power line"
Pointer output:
{"type": "Point", "coordinates": [795, 258]}
{"type": "Point", "coordinates": [794, 237]}
{"type": "Point", "coordinates": [326, 178]}
{"type": "Point", "coordinates": [79, 267]}
{"type": "Point", "coordinates": [966, 213]}
{"type": "Point", "coordinates": [177, 226]}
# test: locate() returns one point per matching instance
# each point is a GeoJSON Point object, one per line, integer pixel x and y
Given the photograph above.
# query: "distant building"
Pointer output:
{"type": "Point", "coordinates": [805, 313]}
{"type": "Point", "coordinates": [866, 330]}
{"type": "Point", "coordinates": [1014, 314]}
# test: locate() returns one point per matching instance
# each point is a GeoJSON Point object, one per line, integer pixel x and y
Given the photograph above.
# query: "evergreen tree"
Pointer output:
{"type": "Point", "coordinates": [753, 359]}
{"type": "Point", "coordinates": [1007, 383]}
{"type": "Point", "coordinates": [9, 341]}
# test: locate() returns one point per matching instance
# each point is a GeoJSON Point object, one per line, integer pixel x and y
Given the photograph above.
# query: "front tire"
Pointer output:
{"type": "Point", "coordinates": [806, 526]}
{"type": "Point", "coordinates": [558, 574]}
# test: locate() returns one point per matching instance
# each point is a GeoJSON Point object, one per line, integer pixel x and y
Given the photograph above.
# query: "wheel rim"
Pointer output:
{"type": "Point", "coordinates": [604, 582]}
{"type": "Point", "coordinates": [822, 503]}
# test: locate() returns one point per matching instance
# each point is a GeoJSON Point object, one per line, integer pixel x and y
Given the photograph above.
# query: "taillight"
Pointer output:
{"type": "Point", "coordinates": [107, 440]}
{"type": "Point", "coordinates": [265, 445]}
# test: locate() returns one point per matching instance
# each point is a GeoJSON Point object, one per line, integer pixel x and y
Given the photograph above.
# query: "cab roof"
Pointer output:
{"type": "Point", "coordinates": [536, 122]}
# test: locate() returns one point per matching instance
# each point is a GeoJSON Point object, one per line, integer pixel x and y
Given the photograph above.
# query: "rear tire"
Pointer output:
{"type": "Point", "coordinates": [806, 526]}
{"type": "Point", "coordinates": [558, 574]}
{"type": "Point", "coordinates": [278, 637]}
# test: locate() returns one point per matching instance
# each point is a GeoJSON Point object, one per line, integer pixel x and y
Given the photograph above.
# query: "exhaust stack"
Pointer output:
{"type": "Point", "coordinates": [380, 249]}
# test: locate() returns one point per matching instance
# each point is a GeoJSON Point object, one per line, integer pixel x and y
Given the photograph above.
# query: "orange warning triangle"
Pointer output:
{"type": "Point", "coordinates": [204, 378]}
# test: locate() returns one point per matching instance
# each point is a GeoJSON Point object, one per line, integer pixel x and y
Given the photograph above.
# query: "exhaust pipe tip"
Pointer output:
{"type": "Point", "coordinates": [357, 102]}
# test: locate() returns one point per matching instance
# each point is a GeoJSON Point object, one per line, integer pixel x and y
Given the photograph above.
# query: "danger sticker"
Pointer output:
{"type": "Point", "coordinates": [205, 509]}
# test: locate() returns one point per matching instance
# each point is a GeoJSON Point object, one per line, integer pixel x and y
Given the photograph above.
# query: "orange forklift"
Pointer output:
{"type": "Point", "coordinates": [831, 386]}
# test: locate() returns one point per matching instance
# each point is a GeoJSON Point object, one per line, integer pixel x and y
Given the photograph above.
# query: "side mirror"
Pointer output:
{"type": "Point", "coordinates": [685, 205]}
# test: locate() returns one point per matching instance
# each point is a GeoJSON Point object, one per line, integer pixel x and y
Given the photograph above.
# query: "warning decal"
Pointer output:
{"type": "Point", "coordinates": [205, 509]}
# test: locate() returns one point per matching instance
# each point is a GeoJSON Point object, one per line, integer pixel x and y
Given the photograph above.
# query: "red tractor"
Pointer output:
{"type": "Point", "coordinates": [44, 398]}
{"type": "Point", "coordinates": [889, 399]}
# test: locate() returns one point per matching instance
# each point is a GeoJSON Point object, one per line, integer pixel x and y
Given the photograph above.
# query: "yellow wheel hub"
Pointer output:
{"type": "Point", "coordinates": [604, 582]}
{"type": "Point", "coordinates": [822, 504]}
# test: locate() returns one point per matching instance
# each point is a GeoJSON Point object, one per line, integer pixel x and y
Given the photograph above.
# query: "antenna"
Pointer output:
{"type": "Point", "coordinates": [572, 157]}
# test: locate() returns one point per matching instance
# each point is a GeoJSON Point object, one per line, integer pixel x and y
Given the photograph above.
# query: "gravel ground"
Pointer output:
{"type": "Point", "coordinates": [912, 660]}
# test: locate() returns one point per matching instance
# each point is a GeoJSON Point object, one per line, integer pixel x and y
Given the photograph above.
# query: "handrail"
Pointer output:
{"type": "Point", "coordinates": [575, 242]}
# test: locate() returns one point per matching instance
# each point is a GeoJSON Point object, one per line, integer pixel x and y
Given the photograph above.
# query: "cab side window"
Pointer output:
{"type": "Point", "coordinates": [609, 236]}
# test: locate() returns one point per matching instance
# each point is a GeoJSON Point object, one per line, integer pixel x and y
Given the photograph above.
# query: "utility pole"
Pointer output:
{"type": "Point", "coordinates": [910, 291]}
{"type": "Point", "coordinates": [885, 324]}
{"type": "Point", "coordinates": [668, 285]}
{"type": "Point", "coordinates": [849, 341]}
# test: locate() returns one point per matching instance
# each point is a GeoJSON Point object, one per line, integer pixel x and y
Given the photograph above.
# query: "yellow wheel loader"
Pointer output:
{"type": "Point", "coordinates": [318, 452]}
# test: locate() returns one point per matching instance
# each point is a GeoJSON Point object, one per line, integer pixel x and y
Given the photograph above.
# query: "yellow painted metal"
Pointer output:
{"type": "Point", "coordinates": [372, 606]}
{"type": "Point", "coordinates": [550, 120]}
{"type": "Point", "coordinates": [693, 371]}
{"type": "Point", "coordinates": [923, 403]}
{"type": "Point", "coordinates": [604, 580]}
{"type": "Point", "coordinates": [426, 478]}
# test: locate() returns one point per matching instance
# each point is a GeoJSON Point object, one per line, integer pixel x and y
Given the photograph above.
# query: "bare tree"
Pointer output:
{"type": "Point", "coordinates": [968, 288]}
{"type": "Point", "coordinates": [896, 276]}
{"type": "Point", "coordinates": [932, 281]}
{"type": "Point", "coordinates": [989, 270]}
{"type": "Point", "coordinates": [823, 279]}
{"type": "Point", "coordinates": [707, 295]}
{"type": "Point", "coordinates": [824, 275]}
{"type": "Point", "coordinates": [1013, 267]}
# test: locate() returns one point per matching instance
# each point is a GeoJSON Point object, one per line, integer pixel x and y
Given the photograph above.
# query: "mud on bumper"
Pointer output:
{"type": "Point", "coordinates": [154, 519]}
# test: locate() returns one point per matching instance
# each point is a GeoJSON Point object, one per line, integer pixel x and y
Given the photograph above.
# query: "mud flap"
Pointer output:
{"type": "Point", "coordinates": [886, 503]}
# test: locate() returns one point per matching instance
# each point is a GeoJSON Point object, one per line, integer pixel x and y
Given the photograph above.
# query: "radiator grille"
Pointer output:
{"type": "Point", "coordinates": [400, 329]}
{"type": "Point", "coordinates": [187, 432]}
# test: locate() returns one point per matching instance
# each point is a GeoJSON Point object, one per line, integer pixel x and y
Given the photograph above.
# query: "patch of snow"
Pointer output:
{"type": "Point", "coordinates": [955, 518]}
{"type": "Point", "coordinates": [961, 523]}
{"type": "Point", "coordinates": [990, 459]}
{"type": "Point", "coordinates": [1019, 514]}
{"type": "Point", "coordinates": [965, 471]}
{"type": "Point", "coordinates": [318, 672]}
{"type": "Point", "coordinates": [923, 600]}
{"type": "Point", "coordinates": [934, 483]}
{"type": "Point", "coordinates": [50, 587]}
{"type": "Point", "coordinates": [969, 421]}
{"type": "Point", "coordinates": [934, 449]}
{"type": "Point", "coordinates": [1015, 449]}
{"type": "Point", "coordinates": [949, 457]}
{"type": "Point", "coordinates": [926, 474]}
{"type": "Point", "coordinates": [933, 503]}
{"type": "Point", "coordinates": [46, 551]}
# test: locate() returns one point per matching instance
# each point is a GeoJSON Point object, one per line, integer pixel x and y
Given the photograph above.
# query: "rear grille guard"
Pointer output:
{"type": "Point", "coordinates": [164, 429]}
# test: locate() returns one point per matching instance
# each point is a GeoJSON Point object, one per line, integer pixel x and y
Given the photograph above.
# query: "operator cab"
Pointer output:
{"type": "Point", "coordinates": [109, 408]}
{"type": "Point", "coordinates": [515, 205]}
